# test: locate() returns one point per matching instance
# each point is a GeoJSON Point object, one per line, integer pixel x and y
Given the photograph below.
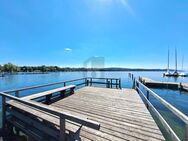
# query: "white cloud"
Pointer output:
{"type": "Point", "coordinates": [68, 49]}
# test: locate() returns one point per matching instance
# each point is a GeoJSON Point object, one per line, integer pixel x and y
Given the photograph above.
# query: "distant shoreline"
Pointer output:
{"type": "Point", "coordinates": [84, 70]}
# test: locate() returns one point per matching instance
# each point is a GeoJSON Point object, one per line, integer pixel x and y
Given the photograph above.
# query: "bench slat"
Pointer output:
{"type": "Point", "coordinates": [38, 95]}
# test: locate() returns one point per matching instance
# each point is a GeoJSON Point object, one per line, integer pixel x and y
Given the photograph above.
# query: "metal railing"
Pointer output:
{"type": "Point", "coordinates": [87, 81]}
{"type": "Point", "coordinates": [137, 85]}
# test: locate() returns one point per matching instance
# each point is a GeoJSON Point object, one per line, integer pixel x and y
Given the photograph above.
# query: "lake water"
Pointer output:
{"type": "Point", "coordinates": [176, 98]}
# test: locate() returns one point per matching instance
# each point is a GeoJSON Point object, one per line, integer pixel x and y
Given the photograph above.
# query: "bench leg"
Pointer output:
{"type": "Point", "coordinates": [48, 98]}
{"type": "Point", "coordinates": [62, 128]}
{"type": "Point", "coordinates": [72, 91]}
{"type": "Point", "coordinates": [62, 94]}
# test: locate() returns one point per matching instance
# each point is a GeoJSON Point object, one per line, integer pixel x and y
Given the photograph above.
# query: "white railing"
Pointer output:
{"type": "Point", "coordinates": [137, 84]}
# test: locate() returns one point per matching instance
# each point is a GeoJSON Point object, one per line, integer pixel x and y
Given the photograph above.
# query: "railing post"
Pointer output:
{"type": "Point", "coordinates": [62, 128]}
{"type": "Point", "coordinates": [90, 81]}
{"type": "Point", "coordinates": [116, 83]}
{"type": "Point", "coordinates": [17, 94]}
{"type": "Point", "coordinates": [108, 84]}
{"type": "Point", "coordinates": [133, 86]}
{"type": "Point", "coordinates": [3, 111]}
{"type": "Point", "coordinates": [147, 96]}
{"type": "Point", "coordinates": [64, 84]}
{"type": "Point", "coordinates": [87, 83]}
{"type": "Point", "coordinates": [111, 83]}
{"type": "Point", "coordinates": [186, 132]}
{"type": "Point", "coordinates": [119, 83]}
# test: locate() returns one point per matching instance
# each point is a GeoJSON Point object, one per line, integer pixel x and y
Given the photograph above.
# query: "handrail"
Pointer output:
{"type": "Point", "coordinates": [44, 85]}
{"type": "Point", "coordinates": [63, 115]}
{"type": "Point", "coordinates": [118, 82]}
{"type": "Point", "coordinates": [178, 113]}
{"type": "Point", "coordinates": [104, 78]}
{"type": "Point", "coordinates": [163, 121]}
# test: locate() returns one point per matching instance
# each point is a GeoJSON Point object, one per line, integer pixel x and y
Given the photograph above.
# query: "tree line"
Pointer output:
{"type": "Point", "coordinates": [12, 68]}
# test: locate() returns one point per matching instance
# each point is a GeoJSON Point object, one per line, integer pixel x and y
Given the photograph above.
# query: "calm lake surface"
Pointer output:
{"type": "Point", "coordinates": [176, 98]}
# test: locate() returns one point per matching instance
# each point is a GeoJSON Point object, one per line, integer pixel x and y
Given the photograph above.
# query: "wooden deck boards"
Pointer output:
{"type": "Point", "coordinates": [121, 113]}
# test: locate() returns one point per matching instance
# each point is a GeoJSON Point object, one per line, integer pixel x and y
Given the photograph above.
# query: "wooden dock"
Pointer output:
{"type": "Point", "coordinates": [121, 113]}
{"type": "Point", "coordinates": [167, 85]}
{"type": "Point", "coordinates": [87, 114]}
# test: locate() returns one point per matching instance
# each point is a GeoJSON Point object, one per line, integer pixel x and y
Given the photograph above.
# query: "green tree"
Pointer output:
{"type": "Point", "coordinates": [10, 68]}
{"type": "Point", "coordinates": [1, 68]}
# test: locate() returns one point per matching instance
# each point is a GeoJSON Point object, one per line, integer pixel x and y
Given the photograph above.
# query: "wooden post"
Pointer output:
{"type": "Point", "coordinates": [87, 83]}
{"type": "Point", "coordinates": [186, 132]}
{"type": "Point", "coordinates": [62, 128]}
{"type": "Point", "coordinates": [133, 86]}
{"type": "Point", "coordinates": [64, 84]}
{"type": "Point", "coordinates": [111, 83]}
{"type": "Point", "coordinates": [90, 81]}
{"type": "Point", "coordinates": [116, 83]}
{"type": "Point", "coordinates": [180, 86]}
{"type": "Point", "coordinates": [108, 84]}
{"type": "Point", "coordinates": [17, 94]}
{"type": "Point", "coordinates": [147, 99]}
{"type": "Point", "coordinates": [3, 111]}
{"type": "Point", "coordinates": [120, 83]}
{"type": "Point", "coordinates": [137, 84]}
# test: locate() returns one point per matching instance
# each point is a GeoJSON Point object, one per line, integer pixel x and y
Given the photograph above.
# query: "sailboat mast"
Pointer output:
{"type": "Point", "coordinates": [182, 62]}
{"type": "Point", "coordinates": [168, 60]}
{"type": "Point", "coordinates": [176, 63]}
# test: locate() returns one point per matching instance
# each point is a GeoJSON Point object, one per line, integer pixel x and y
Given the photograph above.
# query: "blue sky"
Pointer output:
{"type": "Point", "coordinates": [127, 33]}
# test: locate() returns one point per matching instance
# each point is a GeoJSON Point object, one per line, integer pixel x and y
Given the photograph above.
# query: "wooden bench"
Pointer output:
{"type": "Point", "coordinates": [43, 119]}
{"type": "Point", "coordinates": [44, 122]}
{"type": "Point", "coordinates": [48, 94]}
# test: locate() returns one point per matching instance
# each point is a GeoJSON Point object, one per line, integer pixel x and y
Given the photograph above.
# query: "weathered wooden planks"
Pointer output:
{"type": "Point", "coordinates": [121, 113]}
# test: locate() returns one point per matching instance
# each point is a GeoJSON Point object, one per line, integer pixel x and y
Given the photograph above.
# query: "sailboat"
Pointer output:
{"type": "Point", "coordinates": [167, 73]}
{"type": "Point", "coordinates": [182, 74]}
{"type": "Point", "coordinates": [175, 73]}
